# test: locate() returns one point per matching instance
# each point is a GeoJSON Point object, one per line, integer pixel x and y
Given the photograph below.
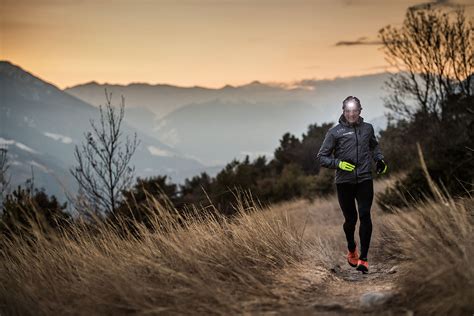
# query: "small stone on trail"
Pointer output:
{"type": "Point", "coordinates": [374, 299]}
{"type": "Point", "coordinates": [392, 270]}
{"type": "Point", "coordinates": [336, 269]}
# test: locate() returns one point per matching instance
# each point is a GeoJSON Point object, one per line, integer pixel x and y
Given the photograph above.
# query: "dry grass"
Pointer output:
{"type": "Point", "coordinates": [272, 259]}
{"type": "Point", "coordinates": [265, 259]}
{"type": "Point", "coordinates": [434, 240]}
{"type": "Point", "coordinates": [211, 265]}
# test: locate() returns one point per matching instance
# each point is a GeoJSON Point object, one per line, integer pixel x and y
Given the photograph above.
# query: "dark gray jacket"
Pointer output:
{"type": "Point", "coordinates": [356, 144]}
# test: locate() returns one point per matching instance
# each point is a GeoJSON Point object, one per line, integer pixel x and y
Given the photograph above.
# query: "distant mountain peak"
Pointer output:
{"type": "Point", "coordinates": [6, 63]}
{"type": "Point", "coordinates": [8, 68]}
{"type": "Point", "coordinates": [257, 85]}
{"type": "Point", "coordinates": [92, 83]}
{"type": "Point", "coordinates": [14, 72]}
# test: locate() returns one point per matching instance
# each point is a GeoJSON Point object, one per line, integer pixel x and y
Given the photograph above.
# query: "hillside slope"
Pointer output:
{"type": "Point", "coordinates": [286, 259]}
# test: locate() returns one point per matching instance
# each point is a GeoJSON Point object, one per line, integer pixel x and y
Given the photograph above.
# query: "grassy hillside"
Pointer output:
{"type": "Point", "coordinates": [286, 258]}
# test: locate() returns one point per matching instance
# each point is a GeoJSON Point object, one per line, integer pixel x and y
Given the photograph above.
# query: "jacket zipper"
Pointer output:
{"type": "Point", "coordinates": [357, 151]}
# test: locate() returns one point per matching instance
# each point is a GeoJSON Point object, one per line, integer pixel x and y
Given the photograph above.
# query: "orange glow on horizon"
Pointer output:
{"type": "Point", "coordinates": [195, 43]}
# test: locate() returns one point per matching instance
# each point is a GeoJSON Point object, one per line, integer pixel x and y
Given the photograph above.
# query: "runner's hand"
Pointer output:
{"type": "Point", "coordinates": [381, 167]}
{"type": "Point", "coordinates": [346, 166]}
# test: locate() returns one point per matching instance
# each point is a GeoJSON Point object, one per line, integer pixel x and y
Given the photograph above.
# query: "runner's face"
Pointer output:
{"type": "Point", "coordinates": [351, 112]}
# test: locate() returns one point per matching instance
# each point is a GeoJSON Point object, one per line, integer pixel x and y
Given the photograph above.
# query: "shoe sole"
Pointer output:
{"type": "Point", "coordinates": [352, 265]}
{"type": "Point", "coordinates": [362, 268]}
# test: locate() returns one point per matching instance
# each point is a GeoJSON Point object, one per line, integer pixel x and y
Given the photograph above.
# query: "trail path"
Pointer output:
{"type": "Point", "coordinates": [348, 291]}
{"type": "Point", "coordinates": [325, 284]}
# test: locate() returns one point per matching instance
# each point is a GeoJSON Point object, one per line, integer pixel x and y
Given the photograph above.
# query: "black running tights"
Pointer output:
{"type": "Point", "coordinates": [363, 193]}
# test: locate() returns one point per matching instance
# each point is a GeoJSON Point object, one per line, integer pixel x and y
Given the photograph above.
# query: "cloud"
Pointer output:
{"type": "Point", "coordinates": [359, 41]}
{"type": "Point", "coordinates": [435, 4]}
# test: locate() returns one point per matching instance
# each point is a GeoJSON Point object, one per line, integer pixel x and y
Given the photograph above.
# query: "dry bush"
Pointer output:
{"type": "Point", "coordinates": [434, 241]}
{"type": "Point", "coordinates": [209, 265]}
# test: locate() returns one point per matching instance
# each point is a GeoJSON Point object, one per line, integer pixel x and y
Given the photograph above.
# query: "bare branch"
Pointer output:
{"type": "Point", "coordinates": [433, 52]}
{"type": "Point", "coordinates": [103, 168]}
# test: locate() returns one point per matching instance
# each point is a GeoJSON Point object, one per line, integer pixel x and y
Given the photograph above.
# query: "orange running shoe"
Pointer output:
{"type": "Point", "coordinates": [352, 257]}
{"type": "Point", "coordinates": [363, 265]}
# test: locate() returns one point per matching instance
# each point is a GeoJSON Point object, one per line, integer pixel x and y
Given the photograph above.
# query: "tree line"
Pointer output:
{"type": "Point", "coordinates": [431, 102]}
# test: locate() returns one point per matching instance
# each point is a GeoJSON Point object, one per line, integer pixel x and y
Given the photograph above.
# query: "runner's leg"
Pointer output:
{"type": "Point", "coordinates": [346, 197]}
{"type": "Point", "coordinates": [364, 196]}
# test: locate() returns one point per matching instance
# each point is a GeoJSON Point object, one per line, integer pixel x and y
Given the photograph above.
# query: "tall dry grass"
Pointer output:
{"type": "Point", "coordinates": [209, 265]}
{"type": "Point", "coordinates": [435, 242]}
{"type": "Point", "coordinates": [265, 259]}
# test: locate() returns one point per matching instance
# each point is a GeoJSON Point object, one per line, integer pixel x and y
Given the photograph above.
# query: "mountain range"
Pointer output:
{"type": "Point", "coordinates": [215, 126]}
{"type": "Point", "coordinates": [183, 130]}
{"type": "Point", "coordinates": [41, 124]}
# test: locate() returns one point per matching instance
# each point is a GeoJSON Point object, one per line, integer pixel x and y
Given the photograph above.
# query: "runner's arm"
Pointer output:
{"type": "Point", "coordinates": [374, 146]}
{"type": "Point", "coordinates": [325, 156]}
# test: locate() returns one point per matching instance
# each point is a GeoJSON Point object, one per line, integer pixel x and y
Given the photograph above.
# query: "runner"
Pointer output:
{"type": "Point", "coordinates": [350, 147]}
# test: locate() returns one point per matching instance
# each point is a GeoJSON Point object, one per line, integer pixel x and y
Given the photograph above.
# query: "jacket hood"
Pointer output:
{"type": "Point", "coordinates": [343, 120]}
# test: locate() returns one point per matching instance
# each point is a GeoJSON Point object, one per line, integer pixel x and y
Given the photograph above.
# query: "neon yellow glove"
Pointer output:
{"type": "Point", "coordinates": [344, 165]}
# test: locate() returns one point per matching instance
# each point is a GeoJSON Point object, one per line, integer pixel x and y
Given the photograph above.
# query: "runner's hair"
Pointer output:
{"type": "Point", "coordinates": [353, 99]}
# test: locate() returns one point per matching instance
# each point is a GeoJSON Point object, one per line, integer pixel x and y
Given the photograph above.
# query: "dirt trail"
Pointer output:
{"type": "Point", "coordinates": [325, 283]}
{"type": "Point", "coordinates": [342, 290]}
{"type": "Point", "coordinates": [345, 287]}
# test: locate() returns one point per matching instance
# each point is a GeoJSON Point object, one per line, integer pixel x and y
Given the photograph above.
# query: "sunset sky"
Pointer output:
{"type": "Point", "coordinates": [198, 42]}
